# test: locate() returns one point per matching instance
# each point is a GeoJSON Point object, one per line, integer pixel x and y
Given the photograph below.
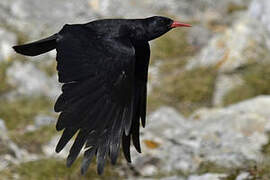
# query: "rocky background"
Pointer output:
{"type": "Point", "coordinates": [209, 91]}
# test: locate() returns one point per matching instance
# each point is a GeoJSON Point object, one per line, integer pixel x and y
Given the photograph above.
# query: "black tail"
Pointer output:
{"type": "Point", "coordinates": [37, 47]}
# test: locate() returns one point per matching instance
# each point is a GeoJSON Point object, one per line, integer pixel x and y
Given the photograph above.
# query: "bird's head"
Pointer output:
{"type": "Point", "coordinates": [156, 26]}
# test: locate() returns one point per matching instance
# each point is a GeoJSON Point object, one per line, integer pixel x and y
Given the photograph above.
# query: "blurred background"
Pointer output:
{"type": "Point", "coordinates": [208, 103]}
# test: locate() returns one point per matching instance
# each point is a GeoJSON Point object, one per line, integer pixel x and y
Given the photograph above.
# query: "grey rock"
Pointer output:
{"type": "Point", "coordinates": [3, 129]}
{"type": "Point", "coordinates": [47, 17]}
{"type": "Point", "coordinates": [167, 119]}
{"type": "Point", "coordinates": [7, 40]}
{"type": "Point", "coordinates": [10, 153]}
{"type": "Point", "coordinates": [239, 46]}
{"type": "Point", "coordinates": [243, 176]}
{"type": "Point", "coordinates": [39, 122]}
{"type": "Point", "coordinates": [257, 105]}
{"type": "Point", "coordinates": [15, 155]}
{"type": "Point", "coordinates": [193, 9]}
{"type": "Point", "coordinates": [30, 128]}
{"type": "Point", "coordinates": [222, 136]}
{"type": "Point", "coordinates": [149, 170]}
{"type": "Point", "coordinates": [260, 9]}
{"type": "Point", "coordinates": [198, 36]}
{"type": "Point", "coordinates": [31, 81]}
{"type": "Point", "coordinates": [207, 176]}
{"type": "Point", "coordinates": [228, 133]}
{"type": "Point", "coordinates": [185, 9]}
{"type": "Point", "coordinates": [172, 178]}
{"type": "Point", "coordinates": [164, 178]}
{"type": "Point", "coordinates": [131, 9]}
{"type": "Point", "coordinates": [234, 48]}
{"type": "Point", "coordinates": [163, 127]}
{"type": "Point", "coordinates": [44, 120]}
{"type": "Point", "coordinates": [140, 178]}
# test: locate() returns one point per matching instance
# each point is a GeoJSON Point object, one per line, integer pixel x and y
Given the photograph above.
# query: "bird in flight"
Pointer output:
{"type": "Point", "coordinates": [103, 66]}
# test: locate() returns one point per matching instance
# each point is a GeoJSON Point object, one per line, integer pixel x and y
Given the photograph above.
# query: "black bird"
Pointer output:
{"type": "Point", "coordinates": [104, 66]}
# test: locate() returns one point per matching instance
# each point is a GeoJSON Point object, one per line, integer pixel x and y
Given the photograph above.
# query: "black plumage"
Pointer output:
{"type": "Point", "coordinates": [104, 67]}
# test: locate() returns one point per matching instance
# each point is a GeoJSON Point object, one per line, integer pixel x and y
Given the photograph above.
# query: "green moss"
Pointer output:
{"type": "Point", "coordinates": [255, 170]}
{"type": "Point", "coordinates": [186, 90]}
{"type": "Point", "coordinates": [53, 169]}
{"type": "Point", "coordinates": [207, 167]}
{"type": "Point", "coordinates": [266, 147]}
{"type": "Point", "coordinates": [19, 113]}
{"type": "Point", "coordinates": [33, 141]}
{"type": "Point", "coordinates": [261, 171]}
{"type": "Point", "coordinates": [256, 82]}
{"type": "Point", "coordinates": [4, 85]}
{"type": "Point", "coordinates": [4, 148]}
{"type": "Point", "coordinates": [50, 69]}
{"type": "Point", "coordinates": [172, 45]}
{"type": "Point", "coordinates": [264, 166]}
{"type": "Point", "coordinates": [48, 66]}
{"type": "Point", "coordinates": [233, 7]}
{"type": "Point", "coordinates": [210, 167]}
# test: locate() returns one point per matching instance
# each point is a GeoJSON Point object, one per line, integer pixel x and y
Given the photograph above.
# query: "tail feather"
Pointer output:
{"type": "Point", "coordinates": [37, 47]}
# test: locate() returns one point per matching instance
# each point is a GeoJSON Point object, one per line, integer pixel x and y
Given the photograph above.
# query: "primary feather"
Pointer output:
{"type": "Point", "coordinates": [99, 96]}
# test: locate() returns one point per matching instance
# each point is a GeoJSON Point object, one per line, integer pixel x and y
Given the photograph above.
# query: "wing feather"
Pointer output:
{"type": "Point", "coordinates": [100, 99]}
{"type": "Point", "coordinates": [68, 133]}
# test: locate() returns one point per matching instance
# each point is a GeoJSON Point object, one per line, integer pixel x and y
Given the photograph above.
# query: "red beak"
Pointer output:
{"type": "Point", "coordinates": [178, 24]}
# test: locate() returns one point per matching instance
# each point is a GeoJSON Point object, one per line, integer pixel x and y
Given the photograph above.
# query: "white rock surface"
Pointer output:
{"type": "Point", "coordinates": [30, 81]}
{"type": "Point", "coordinates": [235, 47]}
{"type": "Point", "coordinates": [44, 120]}
{"type": "Point", "coordinates": [172, 178]}
{"type": "Point", "coordinates": [228, 137]}
{"type": "Point", "coordinates": [40, 121]}
{"type": "Point", "coordinates": [45, 16]}
{"type": "Point", "coordinates": [10, 153]}
{"type": "Point", "coordinates": [260, 9]}
{"type": "Point", "coordinates": [207, 176]}
{"type": "Point", "coordinates": [7, 40]}
{"type": "Point", "coordinates": [50, 15]}
{"type": "Point", "coordinates": [243, 176]}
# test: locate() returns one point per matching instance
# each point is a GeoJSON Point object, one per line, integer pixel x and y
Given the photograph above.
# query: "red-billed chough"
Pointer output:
{"type": "Point", "coordinates": [103, 65]}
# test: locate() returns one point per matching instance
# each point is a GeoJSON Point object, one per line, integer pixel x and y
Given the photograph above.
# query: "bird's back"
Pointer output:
{"type": "Point", "coordinates": [111, 27]}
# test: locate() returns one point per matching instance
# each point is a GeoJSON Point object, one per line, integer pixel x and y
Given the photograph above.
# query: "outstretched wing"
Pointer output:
{"type": "Point", "coordinates": [99, 95]}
